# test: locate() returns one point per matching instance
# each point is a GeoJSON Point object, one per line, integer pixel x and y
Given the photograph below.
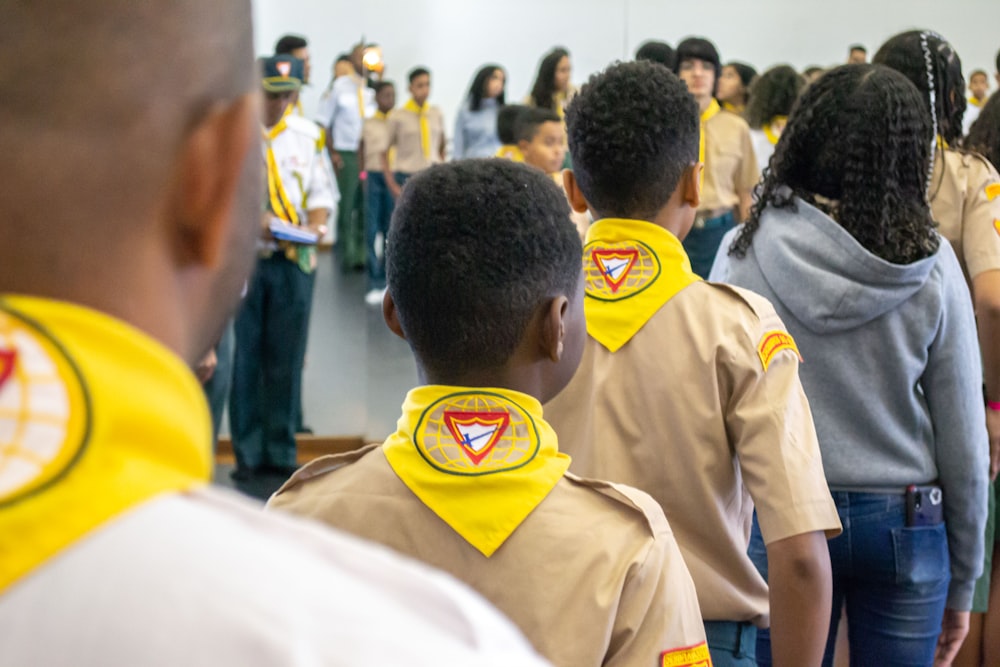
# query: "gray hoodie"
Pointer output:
{"type": "Point", "coordinates": [891, 367]}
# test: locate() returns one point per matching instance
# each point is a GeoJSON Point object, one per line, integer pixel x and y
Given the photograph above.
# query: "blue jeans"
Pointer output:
{"type": "Point", "coordinates": [894, 580]}
{"type": "Point", "coordinates": [702, 243]}
{"type": "Point", "coordinates": [378, 214]}
{"type": "Point", "coordinates": [731, 644]}
{"type": "Point", "coordinates": [271, 331]}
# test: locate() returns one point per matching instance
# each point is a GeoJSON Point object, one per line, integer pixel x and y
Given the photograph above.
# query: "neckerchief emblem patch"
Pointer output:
{"type": "Point", "coordinates": [44, 409]}
{"type": "Point", "coordinates": [476, 433]}
{"type": "Point", "coordinates": [616, 271]}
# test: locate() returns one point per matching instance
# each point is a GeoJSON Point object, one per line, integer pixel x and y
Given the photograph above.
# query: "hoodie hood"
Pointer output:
{"type": "Point", "coordinates": [823, 276]}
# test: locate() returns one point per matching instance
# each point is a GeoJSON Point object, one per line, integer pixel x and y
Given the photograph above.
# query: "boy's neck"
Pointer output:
{"type": "Point", "coordinates": [704, 103]}
{"type": "Point", "coordinates": [520, 380]}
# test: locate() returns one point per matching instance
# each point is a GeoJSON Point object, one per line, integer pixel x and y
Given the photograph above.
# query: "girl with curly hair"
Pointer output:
{"type": "Point", "coordinates": [773, 95]}
{"type": "Point", "coordinates": [964, 195]}
{"type": "Point", "coordinates": [842, 241]}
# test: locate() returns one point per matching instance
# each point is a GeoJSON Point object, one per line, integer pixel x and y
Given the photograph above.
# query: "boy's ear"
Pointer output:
{"type": "Point", "coordinates": [553, 327]}
{"type": "Point", "coordinates": [206, 181]}
{"type": "Point", "coordinates": [523, 144]}
{"type": "Point", "coordinates": [691, 185]}
{"type": "Point", "coordinates": [576, 199]}
{"type": "Point", "coordinates": [390, 315]}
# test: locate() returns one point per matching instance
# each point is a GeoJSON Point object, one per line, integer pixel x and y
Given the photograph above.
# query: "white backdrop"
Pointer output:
{"type": "Point", "coordinates": [454, 37]}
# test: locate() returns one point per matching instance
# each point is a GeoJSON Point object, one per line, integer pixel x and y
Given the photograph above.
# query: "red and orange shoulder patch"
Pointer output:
{"type": "Point", "coordinates": [992, 191]}
{"type": "Point", "coordinates": [692, 656]}
{"type": "Point", "coordinates": [774, 342]}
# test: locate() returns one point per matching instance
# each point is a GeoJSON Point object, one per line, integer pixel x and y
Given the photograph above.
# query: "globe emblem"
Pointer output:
{"type": "Point", "coordinates": [616, 271]}
{"type": "Point", "coordinates": [476, 433]}
{"type": "Point", "coordinates": [43, 412]}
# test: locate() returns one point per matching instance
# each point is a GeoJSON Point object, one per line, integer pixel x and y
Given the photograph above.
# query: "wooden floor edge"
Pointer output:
{"type": "Point", "coordinates": [309, 447]}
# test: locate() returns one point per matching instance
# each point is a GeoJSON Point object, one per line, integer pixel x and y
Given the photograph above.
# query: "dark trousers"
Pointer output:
{"type": "Point", "coordinates": [378, 214]}
{"type": "Point", "coordinates": [271, 332]}
{"type": "Point", "coordinates": [350, 214]}
{"type": "Point", "coordinates": [217, 387]}
{"type": "Point", "coordinates": [702, 242]}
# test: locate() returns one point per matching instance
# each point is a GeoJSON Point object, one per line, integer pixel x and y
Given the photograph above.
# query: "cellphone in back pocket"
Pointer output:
{"type": "Point", "coordinates": [924, 506]}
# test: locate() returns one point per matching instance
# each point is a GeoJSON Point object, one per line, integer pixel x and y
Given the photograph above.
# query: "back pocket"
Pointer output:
{"type": "Point", "coordinates": [921, 554]}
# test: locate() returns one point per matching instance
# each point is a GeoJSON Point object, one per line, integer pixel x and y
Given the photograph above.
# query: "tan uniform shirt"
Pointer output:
{"type": "Point", "coordinates": [686, 412]}
{"type": "Point", "coordinates": [404, 135]}
{"type": "Point", "coordinates": [375, 138]}
{"type": "Point", "coordinates": [593, 576]}
{"type": "Point", "coordinates": [962, 205]}
{"type": "Point", "coordinates": [730, 163]}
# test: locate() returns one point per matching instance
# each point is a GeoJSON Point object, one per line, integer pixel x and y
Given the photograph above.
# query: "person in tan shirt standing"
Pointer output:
{"type": "Point", "coordinates": [725, 150]}
{"type": "Point", "coordinates": [416, 131]}
{"type": "Point", "coordinates": [689, 390]}
{"type": "Point", "coordinates": [485, 285]}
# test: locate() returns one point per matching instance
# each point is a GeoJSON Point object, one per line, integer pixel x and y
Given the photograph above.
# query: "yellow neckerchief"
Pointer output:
{"type": "Point", "coordinates": [977, 103]}
{"type": "Point", "coordinates": [280, 204]}
{"type": "Point", "coordinates": [769, 129]}
{"type": "Point", "coordinates": [559, 101]}
{"type": "Point", "coordinates": [510, 152]}
{"type": "Point", "coordinates": [706, 115]}
{"type": "Point", "coordinates": [361, 97]}
{"type": "Point", "coordinates": [733, 108]}
{"type": "Point", "coordinates": [99, 419]}
{"type": "Point", "coordinates": [481, 459]}
{"type": "Point", "coordinates": [425, 125]}
{"type": "Point", "coordinates": [941, 143]}
{"type": "Point", "coordinates": [631, 269]}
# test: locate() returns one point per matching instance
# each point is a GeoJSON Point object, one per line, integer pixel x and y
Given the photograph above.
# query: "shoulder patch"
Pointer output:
{"type": "Point", "coordinates": [693, 656]}
{"type": "Point", "coordinates": [992, 191]}
{"type": "Point", "coordinates": [773, 342]}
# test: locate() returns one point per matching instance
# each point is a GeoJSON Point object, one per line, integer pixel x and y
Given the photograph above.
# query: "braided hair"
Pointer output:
{"type": "Point", "coordinates": [856, 146]}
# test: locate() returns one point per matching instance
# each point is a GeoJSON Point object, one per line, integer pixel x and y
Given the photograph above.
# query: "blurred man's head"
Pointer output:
{"type": "Point", "coordinates": [130, 185]}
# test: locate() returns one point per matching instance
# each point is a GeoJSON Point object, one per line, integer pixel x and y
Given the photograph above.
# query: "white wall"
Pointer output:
{"type": "Point", "coordinates": [454, 37]}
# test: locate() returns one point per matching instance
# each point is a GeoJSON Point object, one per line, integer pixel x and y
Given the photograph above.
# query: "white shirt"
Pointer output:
{"type": "Point", "coordinates": [206, 578]}
{"type": "Point", "coordinates": [971, 114]}
{"type": "Point", "coordinates": [304, 172]}
{"type": "Point", "coordinates": [339, 111]}
{"type": "Point", "coordinates": [762, 148]}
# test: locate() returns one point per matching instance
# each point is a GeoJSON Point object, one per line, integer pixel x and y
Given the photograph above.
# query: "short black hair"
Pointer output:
{"type": "Point", "coordinates": [905, 53]}
{"type": "Point", "coordinates": [978, 72]}
{"type": "Point", "coordinates": [633, 130]}
{"type": "Point", "coordinates": [698, 48]}
{"type": "Point", "coordinates": [289, 43]}
{"type": "Point", "coordinates": [475, 248]}
{"type": "Point", "coordinates": [857, 47]}
{"type": "Point", "coordinates": [984, 135]}
{"type": "Point", "coordinates": [529, 120]}
{"type": "Point", "coordinates": [657, 52]}
{"type": "Point", "coordinates": [418, 71]}
{"type": "Point", "coordinates": [344, 58]}
{"type": "Point", "coordinates": [507, 122]}
{"type": "Point", "coordinates": [773, 94]}
{"type": "Point", "coordinates": [859, 138]}
{"type": "Point", "coordinates": [379, 85]}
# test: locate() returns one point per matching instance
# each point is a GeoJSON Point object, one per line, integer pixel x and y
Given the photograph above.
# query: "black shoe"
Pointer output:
{"type": "Point", "coordinates": [304, 430]}
{"type": "Point", "coordinates": [242, 474]}
{"type": "Point", "coordinates": [280, 471]}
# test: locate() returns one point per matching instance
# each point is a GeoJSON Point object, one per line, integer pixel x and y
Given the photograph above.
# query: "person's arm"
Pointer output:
{"type": "Point", "coordinates": [799, 582]}
{"type": "Point", "coordinates": [986, 294]}
{"type": "Point", "coordinates": [749, 174]}
{"type": "Point", "coordinates": [390, 178]}
{"type": "Point", "coordinates": [951, 384]}
{"type": "Point", "coordinates": [458, 142]}
{"type": "Point", "coordinates": [770, 424]}
{"type": "Point", "coordinates": [335, 158]}
{"type": "Point", "coordinates": [320, 196]}
{"type": "Point", "coordinates": [658, 609]}
{"type": "Point", "coordinates": [443, 147]}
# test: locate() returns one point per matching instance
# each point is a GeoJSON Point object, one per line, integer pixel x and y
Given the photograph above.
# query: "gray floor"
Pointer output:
{"type": "Point", "coordinates": [357, 371]}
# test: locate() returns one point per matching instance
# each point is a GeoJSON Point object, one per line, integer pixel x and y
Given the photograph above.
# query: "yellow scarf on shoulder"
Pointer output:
{"type": "Point", "coordinates": [95, 419]}
{"type": "Point", "coordinates": [510, 152]}
{"type": "Point", "coordinates": [480, 459]}
{"type": "Point", "coordinates": [631, 269]}
{"type": "Point", "coordinates": [425, 125]}
{"type": "Point", "coordinates": [280, 204]}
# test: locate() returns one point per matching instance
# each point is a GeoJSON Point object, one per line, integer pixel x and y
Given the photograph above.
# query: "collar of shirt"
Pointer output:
{"type": "Point", "coordinates": [482, 459]}
{"type": "Point", "coordinates": [98, 418]}
{"type": "Point", "coordinates": [631, 268]}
